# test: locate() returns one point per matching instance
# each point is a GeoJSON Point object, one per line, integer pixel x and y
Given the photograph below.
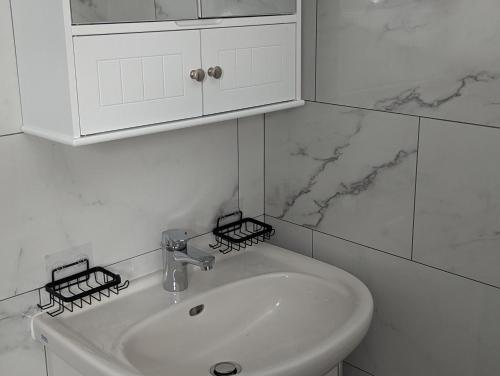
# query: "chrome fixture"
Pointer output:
{"type": "Point", "coordinates": [215, 72]}
{"type": "Point", "coordinates": [176, 255]}
{"type": "Point", "coordinates": [225, 368]}
{"type": "Point", "coordinates": [197, 75]}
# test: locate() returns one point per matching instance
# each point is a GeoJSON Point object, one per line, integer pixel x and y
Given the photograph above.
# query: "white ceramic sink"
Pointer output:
{"type": "Point", "coordinates": [272, 311]}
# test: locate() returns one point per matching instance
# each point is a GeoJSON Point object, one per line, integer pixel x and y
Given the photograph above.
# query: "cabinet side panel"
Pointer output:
{"type": "Point", "coordinates": [41, 48]}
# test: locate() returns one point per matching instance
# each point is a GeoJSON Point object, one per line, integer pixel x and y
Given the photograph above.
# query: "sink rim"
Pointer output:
{"type": "Point", "coordinates": [83, 354]}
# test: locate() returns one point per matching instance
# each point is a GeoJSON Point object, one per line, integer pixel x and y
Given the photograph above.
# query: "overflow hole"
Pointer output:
{"type": "Point", "coordinates": [195, 311]}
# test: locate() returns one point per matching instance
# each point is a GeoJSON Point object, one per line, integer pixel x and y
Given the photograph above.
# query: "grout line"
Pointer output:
{"type": "Point", "coordinates": [17, 295]}
{"type": "Point", "coordinates": [312, 243]}
{"type": "Point", "coordinates": [394, 255]}
{"type": "Point", "coordinates": [44, 347]}
{"type": "Point", "coordinates": [10, 134]}
{"type": "Point", "coordinates": [17, 65]}
{"type": "Point", "coordinates": [238, 152]}
{"type": "Point", "coordinates": [410, 115]}
{"type": "Point", "coordinates": [359, 369]}
{"type": "Point", "coordinates": [46, 360]}
{"type": "Point", "coordinates": [415, 193]}
{"type": "Point", "coordinates": [133, 257]}
{"type": "Point", "coordinates": [316, 54]}
{"type": "Point", "coordinates": [265, 164]}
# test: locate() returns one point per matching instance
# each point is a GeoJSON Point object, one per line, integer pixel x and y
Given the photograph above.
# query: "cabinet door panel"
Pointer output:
{"type": "Point", "coordinates": [130, 80]}
{"type": "Point", "coordinates": [258, 65]}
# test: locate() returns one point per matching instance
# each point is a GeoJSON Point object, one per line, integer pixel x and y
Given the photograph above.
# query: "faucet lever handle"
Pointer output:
{"type": "Point", "coordinates": [175, 240]}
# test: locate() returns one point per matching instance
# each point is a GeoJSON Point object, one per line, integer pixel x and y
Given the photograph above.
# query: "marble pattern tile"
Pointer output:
{"type": "Point", "coordinates": [251, 165]}
{"type": "Point", "coordinates": [342, 171]}
{"type": "Point", "coordinates": [309, 49]}
{"type": "Point", "coordinates": [10, 107]}
{"type": "Point", "coordinates": [426, 322]}
{"type": "Point", "coordinates": [20, 355]}
{"type": "Point", "coordinates": [290, 236]}
{"type": "Point", "coordinates": [151, 262]}
{"type": "Point", "coordinates": [458, 200]}
{"type": "Point", "coordinates": [426, 57]}
{"type": "Point", "coordinates": [118, 197]}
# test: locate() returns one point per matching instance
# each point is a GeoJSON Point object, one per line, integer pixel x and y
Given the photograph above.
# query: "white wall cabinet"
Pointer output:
{"type": "Point", "coordinates": [95, 83]}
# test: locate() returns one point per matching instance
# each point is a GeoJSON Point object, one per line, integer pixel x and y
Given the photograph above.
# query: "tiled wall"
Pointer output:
{"type": "Point", "coordinates": [114, 198]}
{"type": "Point", "coordinates": [391, 172]}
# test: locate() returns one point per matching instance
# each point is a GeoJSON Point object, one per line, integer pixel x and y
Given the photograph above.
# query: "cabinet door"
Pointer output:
{"type": "Point", "coordinates": [258, 66]}
{"type": "Point", "coordinates": [130, 80]}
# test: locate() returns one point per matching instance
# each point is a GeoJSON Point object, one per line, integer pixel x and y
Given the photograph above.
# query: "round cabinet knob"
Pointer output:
{"type": "Point", "coordinates": [215, 72]}
{"type": "Point", "coordinates": [197, 75]}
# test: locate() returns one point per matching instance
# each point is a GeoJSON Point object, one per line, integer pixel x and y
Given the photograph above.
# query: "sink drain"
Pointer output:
{"type": "Point", "coordinates": [225, 369]}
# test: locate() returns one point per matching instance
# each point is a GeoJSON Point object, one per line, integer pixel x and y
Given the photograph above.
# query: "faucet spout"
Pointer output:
{"type": "Point", "coordinates": [197, 257]}
{"type": "Point", "coordinates": [177, 254]}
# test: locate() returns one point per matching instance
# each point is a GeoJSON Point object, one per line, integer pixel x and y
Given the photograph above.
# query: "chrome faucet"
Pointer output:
{"type": "Point", "coordinates": [176, 255]}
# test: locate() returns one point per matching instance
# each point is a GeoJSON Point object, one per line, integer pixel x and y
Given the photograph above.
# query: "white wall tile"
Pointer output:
{"type": "Point", "coordinates": [346, 172]}
{"type": "Point", "coordinates": [458, 200]}
{"type": "Point", "coordinates": [290, 236]}
{"type": "Point", "coordinates": [432, 58]}
{"type": "Point", "coordinates": [20, 355]}
{"type": "Point", "coordinates": [309, 49]}
{"type": "Point", "coordinates": [117, 196]}
{"type": "Point", "coordinates": [251, 165]}
{"type": "Point", "coordinates": [138, 266]}
{"type": "Point", "coordinates": [10, 108]}
{"type": "Point", "coordinates": [426, 322]}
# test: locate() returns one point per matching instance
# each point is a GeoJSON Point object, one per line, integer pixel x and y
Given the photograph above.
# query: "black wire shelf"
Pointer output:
{"type": "Point", "coordinates": [84, 288]}
{"type": "Point", "coordinates": [238, 233]}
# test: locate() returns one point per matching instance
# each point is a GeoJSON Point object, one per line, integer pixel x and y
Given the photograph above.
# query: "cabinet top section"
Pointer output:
{"type": "Point", "coordinates": [91, 12]}
{"type": "Point", "coordinates": [142, 27]}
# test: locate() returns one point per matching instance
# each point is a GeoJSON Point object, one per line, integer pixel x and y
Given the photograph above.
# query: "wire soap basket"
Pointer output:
{"type": "Point", "coordinates": [85, 287]}
{"type": "Point", "coordinates": [240, 232]}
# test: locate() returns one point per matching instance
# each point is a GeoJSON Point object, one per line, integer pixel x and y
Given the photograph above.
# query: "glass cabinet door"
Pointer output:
{"type": "Point", "coordinates": [176, 10]}
{"type": "Point", "coordinates": [114, 11]}
{"type": "Point", "coordinates": [241, 8]}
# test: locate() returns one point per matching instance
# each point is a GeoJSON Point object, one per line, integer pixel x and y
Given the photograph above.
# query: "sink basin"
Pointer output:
{"type": "Point", "coordinates": [268, 310]}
